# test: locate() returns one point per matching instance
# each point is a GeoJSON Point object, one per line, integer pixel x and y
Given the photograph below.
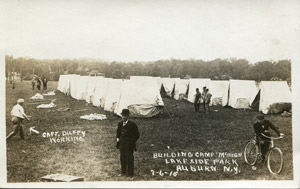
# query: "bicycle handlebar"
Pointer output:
{"type": "Point", "coordinates": [272, 138]}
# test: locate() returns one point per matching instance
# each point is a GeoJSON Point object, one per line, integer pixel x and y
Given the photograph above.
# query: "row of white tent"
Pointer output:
{"type": "Point", "coordinates": [142, 94]}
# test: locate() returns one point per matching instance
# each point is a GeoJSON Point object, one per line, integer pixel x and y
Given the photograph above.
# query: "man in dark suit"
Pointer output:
{"type": "Point", "coordinates": [263, 126]}
{"type": "Point", "coordinates": [197, 100]}
{"type": "Point", "coordinates": [127, 135]}
{"type": "Point", "coordinates": [45, 81]}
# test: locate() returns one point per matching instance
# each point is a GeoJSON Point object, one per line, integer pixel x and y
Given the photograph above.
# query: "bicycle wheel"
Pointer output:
{"type": "Point", "coordinates": [275, 160]}
{"type": "Point", "coordinates": [250, 152]}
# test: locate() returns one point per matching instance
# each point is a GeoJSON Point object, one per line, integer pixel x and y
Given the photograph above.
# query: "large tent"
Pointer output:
{"type": "Point", "coordinates": [219, 90]}
{"type": "Point", "coordinates": [180, 89]}
{"type": "Point", "coordinates": [113, 94]}
{"type": "Point", "coordinates": [274, 97]}
{"type": "Point", "coordinates": [196, 83]}
{"type": "Point", "coordinates": [98, 99]}
{"type": "Point", "coordinates": [141, 97]}
{"type": "Point", "coordinates": [242, 93]}
{"type": "Point", "coordinates": [168, 85]}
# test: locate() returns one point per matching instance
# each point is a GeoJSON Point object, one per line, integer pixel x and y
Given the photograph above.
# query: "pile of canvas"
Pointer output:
{"type": "Point", "coordinates": [242, 93]}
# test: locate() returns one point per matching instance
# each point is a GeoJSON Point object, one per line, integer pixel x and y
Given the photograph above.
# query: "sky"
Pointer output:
{"type": "Point", "coordinates": [131, 30]}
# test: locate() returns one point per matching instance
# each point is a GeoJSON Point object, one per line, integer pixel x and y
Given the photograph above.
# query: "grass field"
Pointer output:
{"type": "Point", "coordinates": [177, 129]}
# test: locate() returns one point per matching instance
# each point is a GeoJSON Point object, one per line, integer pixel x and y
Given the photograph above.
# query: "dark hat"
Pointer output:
{"type": "Point", "coordinates": [125, 112]}
{"type": "Point", "coordinates": [204, 87]}
{"type": "Point", "coordinates": [260, 117]}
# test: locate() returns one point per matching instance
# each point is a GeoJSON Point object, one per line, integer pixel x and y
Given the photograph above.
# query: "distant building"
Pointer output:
{"type": "Point", "coordinates": [95, 73]}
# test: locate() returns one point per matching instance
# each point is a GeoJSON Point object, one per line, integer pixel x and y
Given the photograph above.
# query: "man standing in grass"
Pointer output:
{"type": "Point", "coordinates": [197, 100]}
{"type": "Point", "coordinates": [45, 81]}
{"type": "Point", "coordinates": [203, 98]}
{"type": "Point", "coordinates": [206, 100]}
{"type": "Point", "coordinates": [33, 83]}
{"type": "Point", "coordinates": [18, 115]}
{"type": "Point", "coordinates": [127, 135]}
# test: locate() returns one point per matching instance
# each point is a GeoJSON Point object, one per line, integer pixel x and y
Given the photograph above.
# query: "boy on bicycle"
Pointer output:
{"type": "Point", "coordinates": [261, 127]}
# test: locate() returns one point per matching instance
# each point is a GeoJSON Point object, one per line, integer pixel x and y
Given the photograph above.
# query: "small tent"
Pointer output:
{"type": "Point", "coordinates": [242, 93]}
{"type": "Point", "coordinates": [274, 97]}
{"type": "Point", "coordinates": [219, 91]}
{"type": "Point", "coordinates": [196, 83]}
{"type": "Point", "coordinates": [180, 89]}
{"type": "Point", "coordinates": [141, 98]}
{"type": "Point", "coordinates": [113, 94]}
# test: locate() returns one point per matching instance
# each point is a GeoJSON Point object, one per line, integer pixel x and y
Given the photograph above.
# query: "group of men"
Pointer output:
{"type": "Point", "coordinates": [39, 81]}
{"type": "Point", "coordinates": [205, 98]}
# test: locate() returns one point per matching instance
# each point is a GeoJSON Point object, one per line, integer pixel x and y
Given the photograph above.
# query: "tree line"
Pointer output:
{"type": "Point", "coordinates": [192, 68]}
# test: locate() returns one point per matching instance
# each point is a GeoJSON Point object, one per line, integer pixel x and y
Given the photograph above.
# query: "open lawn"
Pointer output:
{"type": "Point", "coordinates": [177, 129]}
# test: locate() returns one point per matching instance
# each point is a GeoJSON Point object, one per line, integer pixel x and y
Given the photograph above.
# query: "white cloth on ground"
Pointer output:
{"type": "Point", "coordinates": [51, 105]}
{"type": "Point", "coordinates": [94, 116]}
{"type": "Point", "coordinates": [37, 96]}
{"type": "Point", "coordinates": [51, 93]}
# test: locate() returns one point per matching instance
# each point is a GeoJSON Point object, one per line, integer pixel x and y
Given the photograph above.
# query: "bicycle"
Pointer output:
{"type": "Point", "coordinates": [252, 154]}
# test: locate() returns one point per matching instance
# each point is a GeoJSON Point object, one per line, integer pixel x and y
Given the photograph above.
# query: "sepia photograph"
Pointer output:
{"type": "Point", "coordinates": [143, 94]}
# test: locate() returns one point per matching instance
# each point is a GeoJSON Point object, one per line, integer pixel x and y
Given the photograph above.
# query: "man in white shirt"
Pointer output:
{"type": "Point", "coordinates": [17, 116]}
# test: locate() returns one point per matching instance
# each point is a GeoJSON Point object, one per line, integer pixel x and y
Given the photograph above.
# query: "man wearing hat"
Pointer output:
{"type": "Point", "coordinates": [262, 126]}
{"type": "Point", "coordinates": [18, 115]}
{"type": "Point", "coordinates": [127, 135]}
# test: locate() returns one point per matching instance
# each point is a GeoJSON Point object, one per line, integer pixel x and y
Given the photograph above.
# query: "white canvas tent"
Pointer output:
{"type": "Point", "coordinates": [180, 89]}
{"type": "Point", "coordinates": [274, 97]}
{"type": "Point", "coordinates": [98, 99]}
{"type": "Point", "coordinates": [241, 93]}
{"type": "Point", "coordinates": [74, 83]}
{"type": "Point", "coordinates": [141, 98]}
{"type": "Point", "coordinates": [219, 90]}
{"type": "Point", "coordinates": [91, 85]}
{"type": "Point", "coordinates": [196, 83]}
{"type": "Point", "coordinates": [113, 94]}
{"type": "Point", "coordinates": [168, 85]}
{"type": "Point", "coordinates": [148, 79]}
{"type": "Point", "coordinates": [64, 83]}
{"type": "Point", "coordinates": [82, 87]}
